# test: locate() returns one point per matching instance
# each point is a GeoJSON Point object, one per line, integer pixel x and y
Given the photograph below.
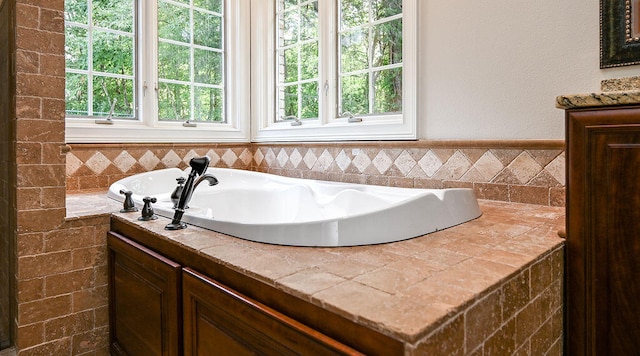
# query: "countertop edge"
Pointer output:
{"type": "Point", "coordinates": [613, 98]}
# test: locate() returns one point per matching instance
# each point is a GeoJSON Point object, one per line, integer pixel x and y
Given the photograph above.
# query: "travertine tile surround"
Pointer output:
{"type": "Point", "coordinates": [60, 298]}
{"type": "Point", "coordinates": [491, 286]}
{"type": "Point", "coordinates": [506, 171]}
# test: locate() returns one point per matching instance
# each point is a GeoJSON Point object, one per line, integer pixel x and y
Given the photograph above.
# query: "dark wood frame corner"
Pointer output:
{"type": "Point", "coordinates": [619, 46]}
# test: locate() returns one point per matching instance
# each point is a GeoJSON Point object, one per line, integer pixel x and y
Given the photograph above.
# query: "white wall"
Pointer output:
{"type": "Point", "coordinates": [491, 69]}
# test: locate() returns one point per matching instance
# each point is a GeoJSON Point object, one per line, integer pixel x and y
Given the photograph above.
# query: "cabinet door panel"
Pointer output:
{"type": "Point", "coordinates": [144, 304]}
{"type": "Point", "coordinates": [220, 321]}
{"type": "Point", "coordinates": [603, 232]}
{"type": "Point", "coordinates": [617, 245]}
{"type": "Point", "coordinates": [210, 336]}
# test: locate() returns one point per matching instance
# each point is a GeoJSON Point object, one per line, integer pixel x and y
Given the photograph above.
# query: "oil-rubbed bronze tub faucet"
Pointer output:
{"type": "Point", "coordinates": [199, 166]}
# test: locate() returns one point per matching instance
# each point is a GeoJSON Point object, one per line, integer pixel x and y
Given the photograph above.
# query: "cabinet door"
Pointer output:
{"type": "Point", "coordinates": [144, 300]}
{"type": "Point", "coordinates": [603, 232]}
{"type": "Point", "coordinates": [220, 321]}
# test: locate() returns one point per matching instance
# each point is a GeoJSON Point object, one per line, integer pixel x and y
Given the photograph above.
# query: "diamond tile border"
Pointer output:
{"type": "Point", "coordinates": [500, 171]}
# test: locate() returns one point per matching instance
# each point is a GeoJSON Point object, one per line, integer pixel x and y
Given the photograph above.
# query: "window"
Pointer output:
{"type": "Point", "coordinates": [100, 58]}
{"type": "Point", "coordinates": [157, 70]}
{"type": "Point", "coordinates": [200, 70]}
{"type": "Point", "coordinates": [334, 70]}
{"type": "Point", "coordinates": [370, 57]}
{"type": "Point", "coordinates": [297, 60]}
{"type": "Point", "coordinates": [191, 60]}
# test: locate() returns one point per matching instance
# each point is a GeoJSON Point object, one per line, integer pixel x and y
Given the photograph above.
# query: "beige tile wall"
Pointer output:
{"type": "Point", "coordinates": [60, 275]}
{"type": "Point", "coordinates": [91, 166]}
{"type": "Point", "coordinates": [514, 171]}
{"type": "Point", "coordinates": [521, 316]}
{"type": "Point", "coordinates": [531, 172]}
{"type": "Point", "coordinates": [62, 290]}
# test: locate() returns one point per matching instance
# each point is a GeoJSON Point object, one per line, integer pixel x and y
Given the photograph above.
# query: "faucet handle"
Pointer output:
{"type": "Point", "coordinates": [147, 209]}
{"type": "Point", "coordinates": [128, 205]}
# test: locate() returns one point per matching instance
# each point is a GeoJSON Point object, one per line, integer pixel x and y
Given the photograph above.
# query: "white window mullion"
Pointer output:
{"type": "Point", "coordinates": [90, 57]}
{"type": "Point", "coordinates": [370, 69]}
{"type": "Point", "coordinates": [148, 62]}
{"type": "Point", "coordinates": [263, 62]}
{"type": "Point", "coordinates": [410, 66]}
{"type": "Point", "coordinates": [328, 52]}
{"type": "Point", "coordinates": [299, 69]}
{"type": "Point", "coordinates": [237, 64]}
{"type": "Point", "coordinates": [192, 87]}
{"type": "Point", "coordinates": [137, 79]}
{"type": "Point", "coordinates": [370, 59]}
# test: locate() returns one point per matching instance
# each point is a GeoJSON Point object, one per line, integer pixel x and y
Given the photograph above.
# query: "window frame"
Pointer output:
{"type": "Point", "coordinates": [329, 127]}
{"type": "Point", "coordinates": [146, 127]}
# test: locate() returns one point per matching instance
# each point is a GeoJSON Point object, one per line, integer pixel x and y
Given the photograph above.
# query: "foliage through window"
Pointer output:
{"type": "Point", "coordinates": [297, 53]}
{"type": "Point", "coordinates": [191, 60]}
{"type": "Point", "coordinates": [105, 66]}
{"type": "Point", "coordinates": [370, 64]}
{"type": "Point", "coordinates": [369, 57]}
{"type": "Point", "coordinates": [100, 57]}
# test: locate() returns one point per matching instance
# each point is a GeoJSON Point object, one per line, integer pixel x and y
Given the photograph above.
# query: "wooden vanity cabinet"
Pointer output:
{"type": "Point", "coordinates": [144, 300]}
{"type": "Point", "coordinates": [603, 232]}
{"type": "Point", "coordinates": [159, 307]}
{"type": "Point", "coordinates": [221, 321]}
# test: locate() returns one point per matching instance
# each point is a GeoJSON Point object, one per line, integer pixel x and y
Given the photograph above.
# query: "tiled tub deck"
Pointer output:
{"type": "Point", "coordinates": [490, 286]}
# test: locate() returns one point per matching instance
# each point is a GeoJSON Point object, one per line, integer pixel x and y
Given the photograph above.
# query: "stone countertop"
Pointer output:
{"type": "Point", "coordinates": [404, 289]}
{"type": "Point", "coordinates": [612, 98]}
{"type": "Point", "coordinates": [90, 203]}
{"type": "Point", "coordinates": [616, 91]}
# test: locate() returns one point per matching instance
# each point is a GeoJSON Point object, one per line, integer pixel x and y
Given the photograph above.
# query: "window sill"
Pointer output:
{"type": "Point", "coordinates": [341, 130]}
{"type": "Point", "coordinates": [136, 132]}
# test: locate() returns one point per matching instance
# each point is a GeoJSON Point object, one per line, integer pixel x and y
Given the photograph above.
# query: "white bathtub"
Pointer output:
{"type": "Point", "coordinates": [299, 212]}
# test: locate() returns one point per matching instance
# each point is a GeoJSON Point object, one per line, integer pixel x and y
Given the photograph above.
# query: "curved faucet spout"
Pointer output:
{"type": "Point", "coordinates": [208, 177]}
